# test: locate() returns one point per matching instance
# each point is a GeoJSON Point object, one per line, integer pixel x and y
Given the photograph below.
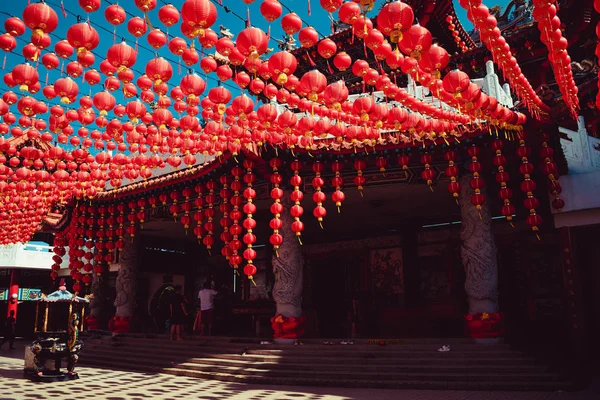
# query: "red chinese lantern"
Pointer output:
{"type": "Point", "coordinates": [121, 55]}
{"type": "Point", "coordinates": [296, 211]}
{"type": "Point", "coordinates": [394, 18]}
{"type": "Point", "coordinates": [40, 18]}
{"type": "Point", "coordinates": [271, 10]}
{"type": "Point", "coordinates": [308, 37]}
{"type": "Point", "coordinates": [198, 14]}
{"type": "Point", "coordinates": [337, 181]}
{"type": "Point", "coordinates": [83, 37]}
{"type": "Point", "coordinates": [456, 82]}
{"type": "Point", "coordinates": [428, 174]}
{"type": "Point", "coordinates": [115, 14]}
{"type": "Point", "coordinates": [159, 70]}
{"type": "Point", "coordinates": [291, 23]}
{"type": "Point", "coordinates": [168, 15]}
{"type": "Point", "coordinates": [157, 38]}
{"type": "Point", "coordinates": [282, 64]}
{"type": "Point", "coordinates": [342, 60]}
{"type": "Point", "coordinates": [252, 42]}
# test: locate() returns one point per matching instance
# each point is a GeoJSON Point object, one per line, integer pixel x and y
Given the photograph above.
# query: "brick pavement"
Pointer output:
{"type": "Point", "coordinates": [97, 384]}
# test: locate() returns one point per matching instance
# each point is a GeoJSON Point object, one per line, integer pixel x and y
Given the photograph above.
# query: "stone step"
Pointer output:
{"type": "Point", "coordinates": [436, 358]}
{"type": "Point", "coordinates": [200, 341]}
{"type": "Point", "coordinates": [249, 340]}
{"type": "Point", "coordinates": [206, 363]}
{"type": "Point", "coordinates": [458, 382]}
{"type": "Point", "coordinates": [283, 355]}
{"type": "Point", "coordinates": [342, 350]}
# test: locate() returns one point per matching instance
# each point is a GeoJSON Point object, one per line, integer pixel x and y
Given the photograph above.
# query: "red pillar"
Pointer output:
{"type": "Point", "coordinates": [15, 274]}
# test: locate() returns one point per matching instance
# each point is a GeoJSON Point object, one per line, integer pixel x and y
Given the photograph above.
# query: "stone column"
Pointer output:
{"type": "Point", "coordinates": [98, 304]}
{"type": "Point", "coordinates": [287, 290]}
{"type": "Point", "coordinates": [126, 285]}
{"type": "Point", "coordinates": [478, 253]}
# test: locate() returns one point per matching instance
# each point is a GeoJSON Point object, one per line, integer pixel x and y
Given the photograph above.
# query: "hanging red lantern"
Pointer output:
{"type": "Point", "coordinates": [502, 177]}
{"type": "Point", "coordinates": [550, 170]}
{"type": "Point", "coordinates": [428, 174]}
{"type": "Point", "coordinates": [342, 60]}
{"type": "Point", "coordinates": [199, 14]}
{"type": "Point", "coordinates": [337, 181]}
{"type": "Point", "coordinates": [296, 211]}
{"type": "Point", "coordinates": [271, 10]}
{"type": "Point", "coordinates": [252, 42]}
{"type": "Point", "coordinates": [318, 196]}
{"type": "Point", "coordinates": [452, 172]}
{"type": "Point", "coordinates": [137, 26]}
{"type": "Point", "coordinates": [168, 15]}
{"type": "Point", "coordinates": [291, 23]}
{"type": "Point", "coordinates": [83, 37]}
{"type": "Point", "coordinates": [394, 19]}
{"type": "Point", "coordinates": [528, 186]}
{"type": "Point", "coordinates": [40, 18]}
{"type": "Point", "coordinates": [115, 14]}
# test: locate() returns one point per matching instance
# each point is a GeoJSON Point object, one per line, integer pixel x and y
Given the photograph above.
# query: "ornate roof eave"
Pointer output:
{"type": "Point", "coordinates": [161, 181]}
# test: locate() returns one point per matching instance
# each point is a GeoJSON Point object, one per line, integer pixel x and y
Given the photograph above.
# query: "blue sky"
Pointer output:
{"type": "Point", "coordinates": [319, 20]}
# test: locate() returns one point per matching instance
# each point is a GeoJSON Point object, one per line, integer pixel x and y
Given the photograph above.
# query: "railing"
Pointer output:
{"type": "Point", "coordinates": [581, 150]}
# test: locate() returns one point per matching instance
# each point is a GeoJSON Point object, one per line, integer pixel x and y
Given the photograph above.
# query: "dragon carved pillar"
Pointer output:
{"type": "Point", "coordinates": [126, 285]}
{"type": "Point", "coordinates": [287, 267]}
{"type": "Point", "coordinates": [478, 253]}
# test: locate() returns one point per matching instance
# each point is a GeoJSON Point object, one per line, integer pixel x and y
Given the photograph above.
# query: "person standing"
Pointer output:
{"type": "Point", "coordinates": [206, 296]}
{"type": "Point", "coordinates": [9, 330]}
{"type": "Point", "coordinates": [178, 313]}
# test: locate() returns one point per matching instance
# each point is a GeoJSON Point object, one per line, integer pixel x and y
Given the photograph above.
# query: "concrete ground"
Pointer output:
{"type": "Point", "coordinates": [97, 384]}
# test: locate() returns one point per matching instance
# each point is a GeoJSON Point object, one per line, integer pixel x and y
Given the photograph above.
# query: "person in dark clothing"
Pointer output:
{"type": "Point", "coordinates": [9, 330]}
{"type": "Point", "coordinates": [178, 313]}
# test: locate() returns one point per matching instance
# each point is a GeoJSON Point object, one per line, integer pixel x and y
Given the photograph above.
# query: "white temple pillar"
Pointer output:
{"type": "Point", "coordinates": [126, 285]}
{"type": "Point", "coordinates": [287, 267]}
{"type": "Point", "coordinates": [478, 252]}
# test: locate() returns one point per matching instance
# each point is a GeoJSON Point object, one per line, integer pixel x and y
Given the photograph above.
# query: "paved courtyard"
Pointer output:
{"type": "Point", "coordinates": [98, 383]}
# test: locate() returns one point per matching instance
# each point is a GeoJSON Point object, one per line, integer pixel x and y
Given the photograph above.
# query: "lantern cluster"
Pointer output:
{"type": "Point", "coordinates": [549, 25]}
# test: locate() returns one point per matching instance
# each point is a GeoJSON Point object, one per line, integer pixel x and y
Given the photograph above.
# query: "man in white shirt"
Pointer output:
{"type": "Point", "coordinates": [206, 296]}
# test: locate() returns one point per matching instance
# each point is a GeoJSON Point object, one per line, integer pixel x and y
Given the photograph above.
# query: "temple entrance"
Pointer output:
{"type": "Point", "coordinates": [335, 285]}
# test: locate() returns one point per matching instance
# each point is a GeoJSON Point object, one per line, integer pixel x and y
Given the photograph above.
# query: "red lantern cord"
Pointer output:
{"type": "Point", "coordinates": [186, 206]}
{"type": "Point", "coordinates": [502, 177]}
{"type": "Point", "coordinates": [236, 215]}
{"type": "Point", "coordinates": [477, 184]}
{"type": "Point", "coordinates": [549, 26]}
{"type": "Point", "coordinates": [359, 179]}
{"type": "Point", "coordinates": [199, 214]}
{"type": "Point", "coordinates": [551, 171]}
{"type": "Point", "coordinates": [226, 208]}
{"type": "Point", "coordinates": [209, 214]}
{"type": "Point", "coordinates": [249, 223]}
{"type": "Point", "coordinates": [319, 197]}
{"type": "Point", "coordinates": [276, 208]}
{"type": "Point", "coordinates": [452, 172]}
{"type": "Point", "coordinates": [296, 211]}
{"type": "Point", "coordinates": [337, 181]}
{"type": "Point", "coordinates": [528, 186]}
{"type": "Point", "coordinates": [428, 174]}
{"type": "Point", "coordinates": [174, 195]}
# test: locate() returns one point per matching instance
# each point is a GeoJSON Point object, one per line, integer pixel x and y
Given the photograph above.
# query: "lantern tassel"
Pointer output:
{"type": "Point", "coordinates": [247, 17]}
{"type": "Point", "coordinates": [209, 252]}
{"type": "Point", "coordinates": [339, 210]}
{"type": "Point", "coordinates": [321, 225]}
{"type": "Point", "coordinates": [4, 66]}
{"type": "Point", "coordinates": [511, 224]}
{"type": "Point", "coordinates": [148, 21]}
{"type": "Point", "coordinates": [300, 240]}
{"type": "Point", "coordinates": [538, 237]}
{"type": "Point", "coordinates": [312, 63]}
{"type": "Point", "coordinates": [276, 254]}
{"type": "Point", "coordinates": [62, 7]}
{"type": "Point", "coordinates": [361, 193]}
{"type": "Point", "coordinates": [269, 33]}
{"type": "Point", "coordinates": [252, 280]}
{"type": "Point", "coordinates": [328, 67]}
{"type": "Point", "coordinates": [431, 188]}
{"type": "Point", "coordinates": [309, 8]}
